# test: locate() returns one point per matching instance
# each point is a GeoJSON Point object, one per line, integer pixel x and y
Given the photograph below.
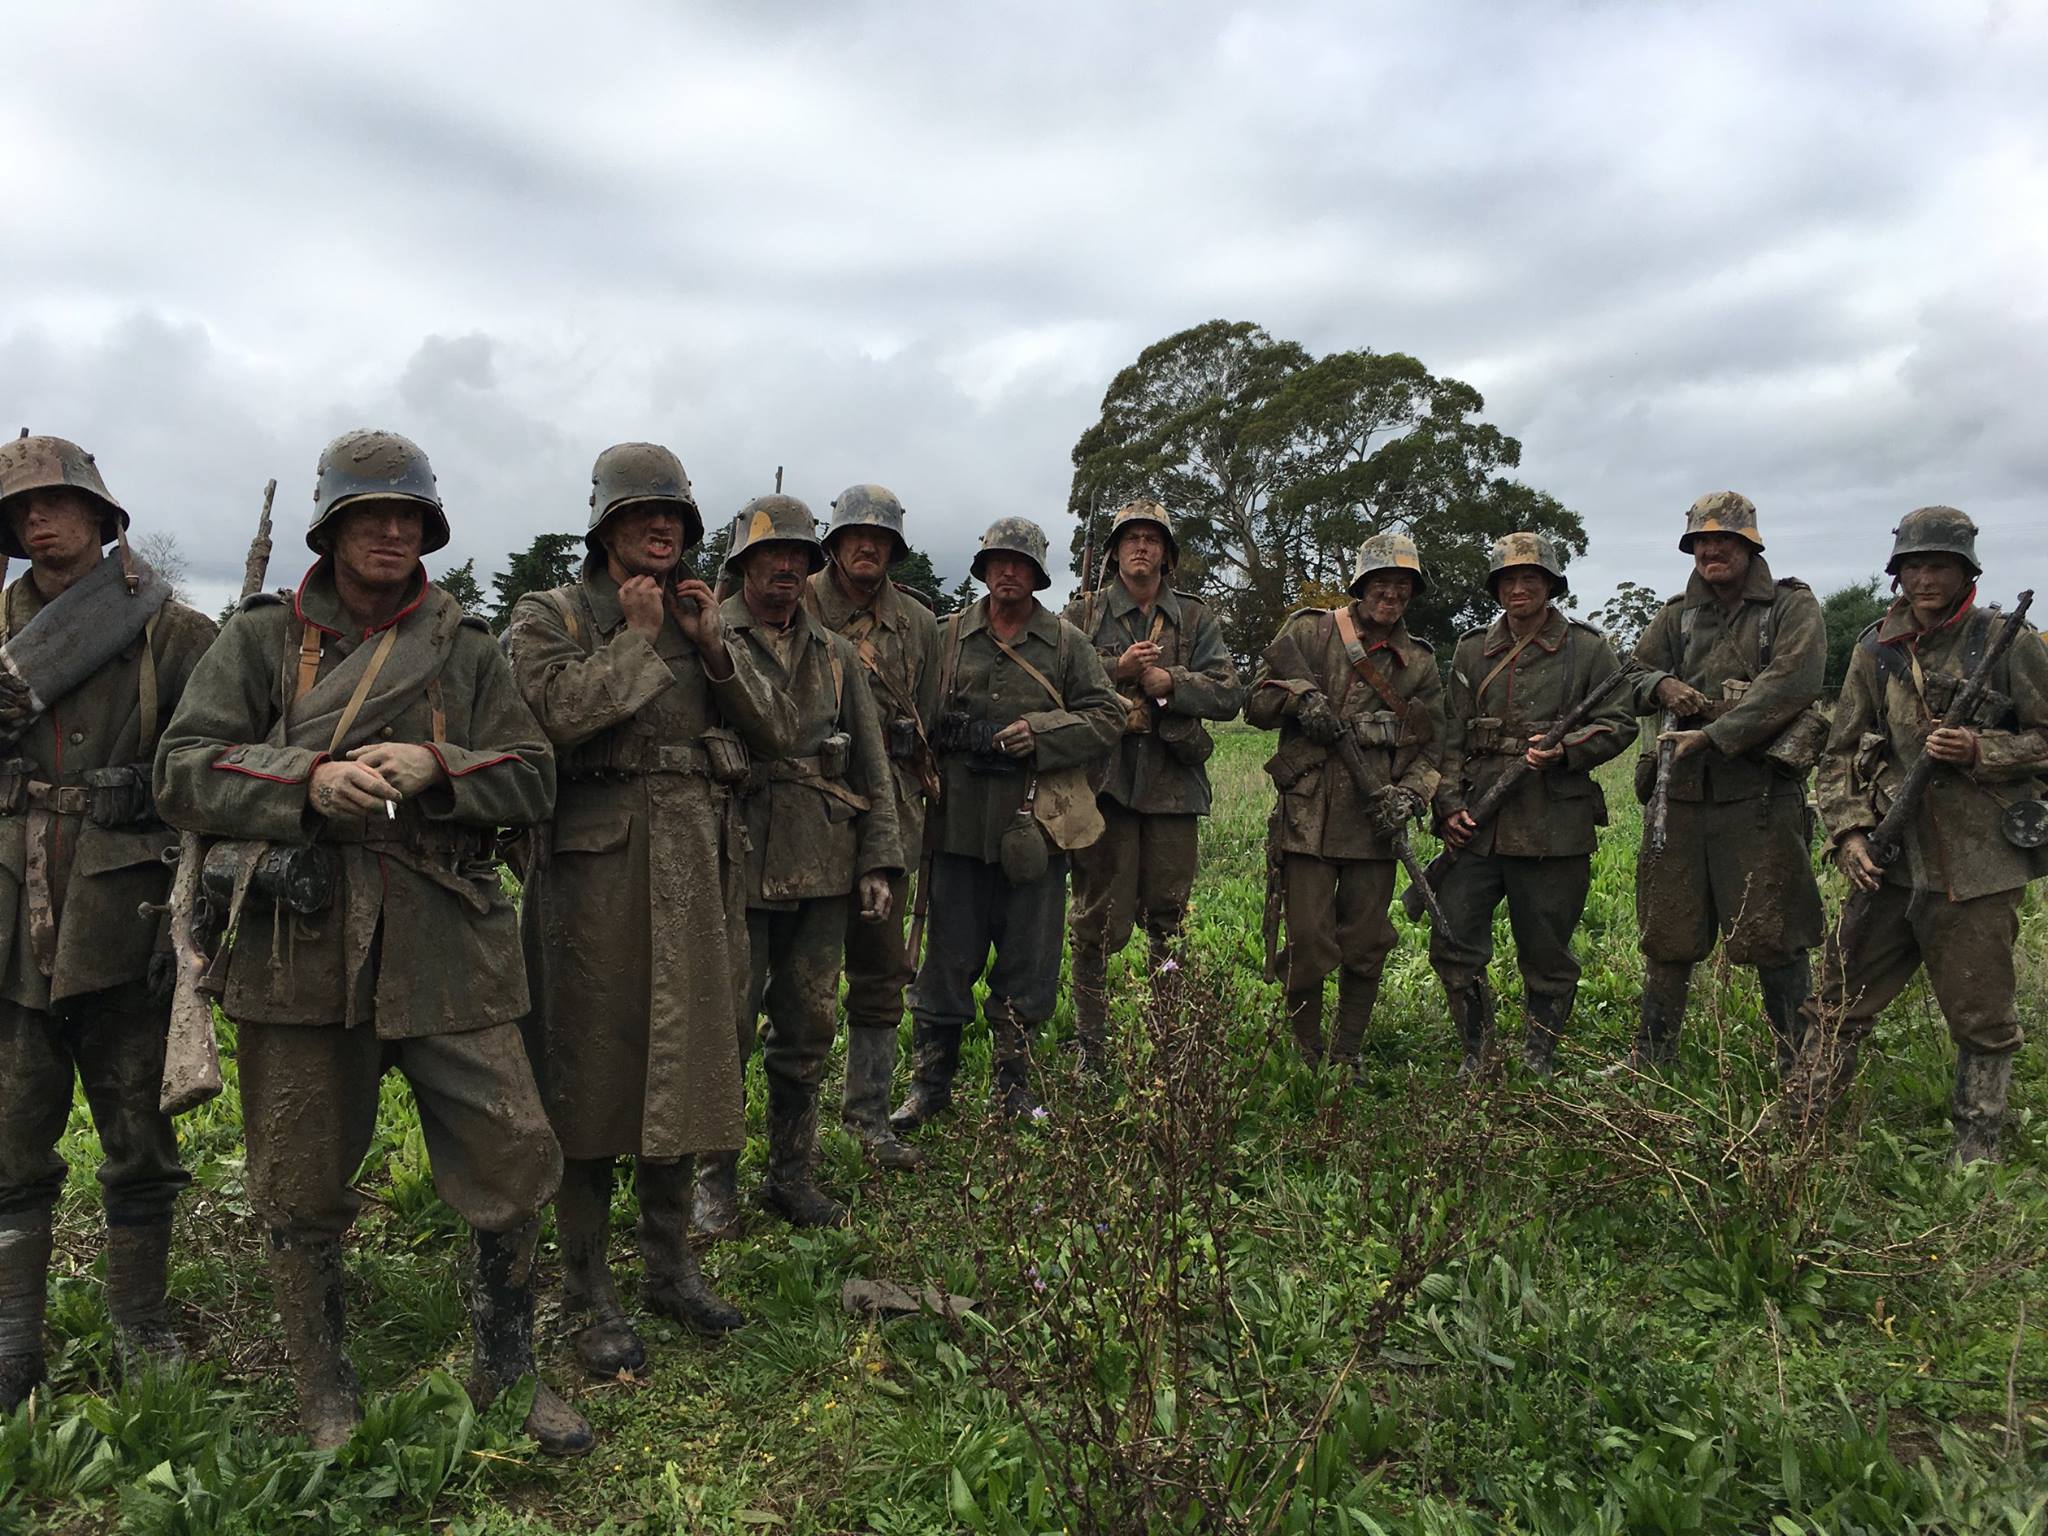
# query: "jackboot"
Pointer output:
{"type": "Point", "coordinates": [1547, 1014]}
{"type": "Point", "coordinates": [1305, 1019]}
{"type": "Point", "coordinates": [24, 1286]}
{"type": "Point", "coordinates": [1785, 988]}
{"type": "Point", "coordinates": [1983, 1079]}
{"type": "Point", "coordinates": [1010, 1079]}
{"type": "Point", "coordinates": [1091, 1006]}
{"type": "Point", "coordinates": [937, 1061]}
{"type": "Point", "coordinates": [864, 1107]}
{"type": "Point", "coordinates": [1818, 1078]}
{"type": "Point", "coordinates": [501, 1313]}
{"type": "Point", "coordinates": [1472, 1009]}
{"type": "Point", "coordinates": [674, 1286]}
{"type": "Point", "coordinates": [1356, 996]}
{"type": "Point", "coordinates": [138, 1259]}
{"type": "Point", "coordinates": [715, 1212]}
{"type": "Point", "coordinates": [790, 1188]}
{"type": "Point", "coordinates": [600, 1331]}
{"type": "Point", "coordinates": [1665, 985]}
{"type": "Point", "coordinates": [306, 1283]}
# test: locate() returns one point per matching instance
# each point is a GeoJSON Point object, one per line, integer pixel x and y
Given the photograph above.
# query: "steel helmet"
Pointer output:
{"type": "Point", "coordinates": [1014, 536]}
{"type": "Point", "coordinates": [1526, 549]}
{"type": "Point", "coordinates": [868, 506]}
{"type": "Point", "coordinates": [1935, 531]}
{"type": "Point", "coordinates": [774, 519]}
{"type": "Point", "coordinates": [367, 465]}
{"type": "Point", "coordinates": [627, 474]}
{"type": "Point", "coordinates": [1143, 510]}
{"type": "Point", "coordinates": [1387, 552]}
{"type": "Point", "coordinates": [50, 463]}
{"type": "Point", "coordinates": [1721, 512]}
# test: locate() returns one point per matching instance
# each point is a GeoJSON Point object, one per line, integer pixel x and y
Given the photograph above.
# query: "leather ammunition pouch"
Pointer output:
{"type": "Point", "coordinates": [1186, 739]}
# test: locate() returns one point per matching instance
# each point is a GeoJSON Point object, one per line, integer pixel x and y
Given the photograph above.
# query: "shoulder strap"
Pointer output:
{"type": "Point", "coordinates": [146, 701]}
{"type": "Point", "coordinates": [362, 690]}
{"type": "Point", "coordinates": [566, 606]}
{"type": "Point", "coordinates": [309, 658]}
{"type": "Point", "coordinates": [1501, 666]}
{"type": "Point", "coordinates": [1362, 664]}
{"type": "Point", "coordinates": [1035, 675]}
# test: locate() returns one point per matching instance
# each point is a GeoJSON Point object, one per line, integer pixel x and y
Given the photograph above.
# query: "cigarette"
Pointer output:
{"type": "Point", "coordinates": [391, 810]}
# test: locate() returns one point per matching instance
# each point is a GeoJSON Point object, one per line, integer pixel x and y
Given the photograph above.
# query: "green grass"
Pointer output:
{"type": "Point", "coordinates": [1387, 1305]}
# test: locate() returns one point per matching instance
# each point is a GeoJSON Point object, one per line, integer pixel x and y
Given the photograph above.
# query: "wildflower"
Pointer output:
{"type": "Point", "coordinates": [1040, 1112]}
{"type": "Point", "coordinates": [1169, 964]}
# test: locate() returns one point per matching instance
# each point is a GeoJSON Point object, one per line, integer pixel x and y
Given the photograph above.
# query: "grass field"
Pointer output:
{"type": "Point", "coordinates": [1229, 1295]}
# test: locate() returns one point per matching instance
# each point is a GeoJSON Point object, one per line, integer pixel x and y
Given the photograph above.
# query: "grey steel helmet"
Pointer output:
{"type": "Point", "coordinates": [630, 474]}
{"type": "Point", "coordinates": [1935, 531]}
{"type": "Point", "coordinates": [868, 506]}
{"type": "Point", "coordinates": [1522, 548]}
{"type": "Point", "coordinates": [1387, 552]}
{"type": "Point", "coordinates": [52, 463]}
{"type": "Point", "coordinates": [775, 519]}
{"type": "Point", "coordinates": [368, 465]}
{"type": "Point", "coordinates": [1143, 510]}
{"type": "Point", "coordinates": [1013, 536]}
{"type": "Point", "coordinates": [1721, 512]}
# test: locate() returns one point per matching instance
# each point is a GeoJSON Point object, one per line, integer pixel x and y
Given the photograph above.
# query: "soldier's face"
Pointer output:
{"type": "Point", "coordinates": [645, 540]}
{"type": "Point", "coordinates": [774, 573]}
{"type": "Point", "coordinates": [1386, 596]}
{"type": "Point", "coordinates": [1009, 577]}
{"type": "Point", "coordinates": [1524, 591]}
{"type": "Point", "coordinates": [863, 554]}
{"type": "Point", "coordinates": [1141, 553]}
{"type": "Point", "coordinates": [1721, 558]}
{"type": "Point", "coordinates": [1932, 583]}
{"type": "Point", "coordinates": [378, 542]}
{"type": "Point", "coordinates": [57, 526]}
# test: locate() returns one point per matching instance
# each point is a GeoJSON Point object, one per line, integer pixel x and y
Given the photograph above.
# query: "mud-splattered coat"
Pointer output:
{"type": "Point", "coordinates": [635, 918]}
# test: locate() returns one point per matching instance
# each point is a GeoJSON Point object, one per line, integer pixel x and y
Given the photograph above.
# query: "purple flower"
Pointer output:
{"type": "Point", "coordinates": [1169, 964]}
{"type": "Point", "coordinates": [1040, 1112]}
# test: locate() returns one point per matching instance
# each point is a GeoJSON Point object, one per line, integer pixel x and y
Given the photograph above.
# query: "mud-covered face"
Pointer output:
{"type": "Point", "coordinates": [378, 542]}
{"type": "Point", "coordinates": [57, 525]}
{"type": "Point", "coordinates": [1140, 553]}
{"type": "Point", "coordinates": [1009, 577]}
{"type": "Point", "coordinates": [1932, 582]}
{"type": "Point", "coordinates": [1385, 597]}
{"type": "Point", "coordinates": [773, 573]}
{"type": "Point", "coordinates": [645, 539]}
{"type": "Point", "coordinates": [863, 555]}
{"type": "Point", "coordinates": [1722, 559]}
{"type": "Point", "coordinates": [1523, 590]}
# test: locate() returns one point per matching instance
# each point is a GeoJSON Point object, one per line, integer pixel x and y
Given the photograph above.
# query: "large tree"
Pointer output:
{"type": "Point", "coordinates": [551, 560]}
{"type": "Point", "coordinates": [1278, 464]}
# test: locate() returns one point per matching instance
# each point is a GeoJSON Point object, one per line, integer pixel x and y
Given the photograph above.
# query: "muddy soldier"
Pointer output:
{"type": "Point", "coordinates": [897, 642]}
{"type": "Point", "coordinates": [90, 669]}
{"type": "Point", "coordinates": [1165, 653]}
{"type": "Point", "coordinates": [1511, 682]}
{"type": "Point", "coordinates": [363, 728]}
{"type": "Point", "coordinates": [821, 848]}
{"type": "Point", "coordinates": [1951, 902]}
{"type": "Point", "coordinates": [634, 920]}
{"type": "Point", "coordinates": [1735, 663]}
{"type": "Point", "coordinates": [1330, 849]}
{"type": "Point", "coordinates": [1025, 711]}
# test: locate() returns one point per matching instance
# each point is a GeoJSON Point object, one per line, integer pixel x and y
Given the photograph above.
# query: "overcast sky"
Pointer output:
{"type": "Point", "coordinates": [1796, 250]}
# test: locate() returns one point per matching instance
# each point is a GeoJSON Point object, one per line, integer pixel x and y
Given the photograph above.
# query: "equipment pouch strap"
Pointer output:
{"type": "Point", "coordinates": [1501, 666]}
{"type": "Point", "coordinates": [369, 678]}
{"type": "Point", "coordinates": [146, 702]}
{"type": "Point", "coordinates": [568, 613]}
{"type": "Point", "coordinates": [1362, 664]}
{"type": "Point", "coordinates": [309, 659]}
{"type": "Point", "coordinates": [1035, 675]}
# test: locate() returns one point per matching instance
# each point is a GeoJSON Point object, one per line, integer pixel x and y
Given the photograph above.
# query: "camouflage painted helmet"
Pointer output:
{"type": "Point", "coordinates": [630, 473]}
{"type": "Point", "coordinates": [367, 465]}
{"type": "Point", "coordinates": [869, 506]}
{"type": "Point", "coordinates": [1143, 510]}
{"type": "Point", "coordinates": [1526, 549]}
{"type": "Point", "coordinates": [49, 463]}
{"type": "Point", "coordinates": [1387, 552]}
{"type": "Point", "coordinates": [1935, 530]}
{"type": "Point", "coordinates": [1721, 512]}
{"type": "Point", "coordinates": [774, 519]}
{"type": "Point", "coordinates": [1013, 536]}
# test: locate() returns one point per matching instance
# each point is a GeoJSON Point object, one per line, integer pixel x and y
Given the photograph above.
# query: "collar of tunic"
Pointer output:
{"type": "Point", "coordinates": [318, 603]}
{"type": "Point", "coordinates": [1898, 623]}
{"type": "Point", "coordinates": [1043, 623]}
{"type": "Point", "coordinates": [1548, 638]}
{"type": "Point", "coordinates": [1758, 587]}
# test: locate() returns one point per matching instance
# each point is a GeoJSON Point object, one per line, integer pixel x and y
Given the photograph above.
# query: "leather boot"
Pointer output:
{"type": "Point", "coordinates": [937, 1052]}
{"type": "Point", "coordinates": [1785, 988]}
{"type": "Point", "coordinates": [138, 1259]}
{"type": "Point", "coordinates": [1010, 1044]}
{"type": "Point", "coordinates": [600, 1332]}
{"type": "Point", "coordinates": [1355, 998]}
{"type": "Point", "coordinates": [306, 1283]}
{"type": "Point", "coordinates": [1091, 1005]}
{"type": "Point", "coordinates": [501, 1313]}
{"type": "Point", "coordinates": [1472, 1007]}
{"type": "Point", "coordinates": [715, 1211]}
{"type": "Point", "coordinates": [1547, 1015]}
{"type": "Point", "coordinates": [674, 1286]}
{"type": "Point", "coordinates": [24, 1285]}
{"type": "Point", "coordinates": [864, 1107]}
{"type": "Point", "coordinates": [1983, 1080]}
{"type": "Point", "coordinates": [790, 1188]}
{"type": "Point", "coordinates": [1305, 1019]}
{"type": "Point", "coordinates": [1665, 985]}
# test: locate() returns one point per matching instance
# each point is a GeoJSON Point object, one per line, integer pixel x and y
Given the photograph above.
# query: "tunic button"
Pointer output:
{"type": "Point", "coordinates": [77, 737]}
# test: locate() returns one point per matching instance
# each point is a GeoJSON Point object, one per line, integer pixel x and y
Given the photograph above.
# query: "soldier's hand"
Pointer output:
{"type": "Point", "coordinates": [406, 766]}
{"type": "Point", "coordinates": [1394, 807]}
{"type": "Point", "coordinates": [875, 900]}
{"type": "Point", "coordinates": [1015, 739]}
{"type": "Point", "coordinates": [1685, 743]}
{"type": "Point", "coordinates": [1132, 664]}
{"type": "Point", "coordinates": [1954, 744]}
{"type": "Point", "coordinates": [1318, 722]}
{"type": "Point", "coordinates": [1682, 699]}
{"type": "Point", "coordinates": [1157, 683]}
{"type": "Point", "coordinates": [696, 611]}
{"type": "Point", "coordinates": [17, 704]}
{"type": "Point", "coordinates": [1854, 860]}
{"type": "Point", "coordinates": [1459, 828]}
{"type": "Point", "coordinates": [346, 788]}
{"type": "Point", "coordinates": [1543, 757]}
{"type": "Point", "coordinates": [640, 601]}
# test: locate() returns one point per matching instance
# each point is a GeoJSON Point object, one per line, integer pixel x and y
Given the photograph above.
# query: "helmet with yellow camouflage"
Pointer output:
{"type": "Point", "coordinates": [1935, 531]}
{"type": "Point", "coordinates": [1387, 552]}
{"type": "Point", "coordinates": [52, 463]}
{"type": "Point", "coordinates": [1143, 511]}
{"type": "Point", "coordinates": [633, 474]}
{"type": "Point", "coordinates": [773, 519]}
{"type": "Point", "coordinates": [1535, 549]}
{"type": "Point", "coordinates": [1721, 512]}
{"type": "Point", "coordinates": [868, 506]}
{"type": "Point", "coordinates": [1013, 536]}
{"type": "Point", "coordinates": [367, 465]}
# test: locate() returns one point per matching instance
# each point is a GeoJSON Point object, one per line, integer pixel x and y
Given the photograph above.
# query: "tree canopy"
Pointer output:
{"type": "Point", "coordinates": [1849, 611]}
{"type": "Point", "coordinates": [551, 560]}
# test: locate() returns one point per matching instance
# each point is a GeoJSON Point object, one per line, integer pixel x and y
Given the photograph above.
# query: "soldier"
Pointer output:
{"type": "Point", "coordinates": [1511, 682]}
{"type": "Point", "coordinates": [1735, 662]}
{"type": "Point", "coordinates": [634, 922]}
{"type": "Point", "coordinates": [91, 668]}
{"type": "Point", "coordinates": [897, 642]}
{"type": "Point", "coordinates": [364, 728]}
{"type": "Point", "coordinates": [1165, 653]}
{"type": "Point", "coordinates": [821, 826]}
{"type": "Point", "coordinates": [1952, 903]}
{"type": "Point", "coordinates": [1331, 856]}
{"type": "Point", "coordinates": [1025, 711]}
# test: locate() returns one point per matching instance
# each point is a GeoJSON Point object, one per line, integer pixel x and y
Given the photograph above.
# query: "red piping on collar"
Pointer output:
{"type": "Point", "coordinates": [299, 606]}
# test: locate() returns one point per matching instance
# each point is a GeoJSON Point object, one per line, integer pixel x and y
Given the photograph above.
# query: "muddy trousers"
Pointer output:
{"type": "Point", "coordinates": [877, 972]}
{"type": "Point", "coordinates": [1337, 916]}
{"type": "Point", "coordinates": [1545, 897]}
{"type": "Point", "coordinates": [1139, 871]}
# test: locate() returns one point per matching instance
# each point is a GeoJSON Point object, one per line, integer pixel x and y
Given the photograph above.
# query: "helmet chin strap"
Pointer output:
{"type": "Point", "coordinates": [129, 574]}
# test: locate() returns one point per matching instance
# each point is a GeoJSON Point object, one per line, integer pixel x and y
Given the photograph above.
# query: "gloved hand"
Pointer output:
{"type": "Point", "coordinates": [1394, 807]}
{"type": "Point", "coordinates": [17, 705]}
{"type": "Point", "coordinates": [1318, 722]}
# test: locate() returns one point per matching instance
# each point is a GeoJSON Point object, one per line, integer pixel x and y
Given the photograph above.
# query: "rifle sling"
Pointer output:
{"type": "Point", "coordinates": [1362, 665]}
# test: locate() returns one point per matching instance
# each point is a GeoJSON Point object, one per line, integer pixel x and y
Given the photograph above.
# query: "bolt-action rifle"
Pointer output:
{"type": "Point", "coordinates": [1659, 819]}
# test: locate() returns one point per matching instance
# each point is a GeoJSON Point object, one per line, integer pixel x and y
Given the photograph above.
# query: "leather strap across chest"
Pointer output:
{"type": "Point", "coordinates": [1362, 664]}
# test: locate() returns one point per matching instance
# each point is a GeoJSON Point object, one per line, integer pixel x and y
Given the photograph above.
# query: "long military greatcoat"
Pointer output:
{"type": "Point", "coordinates": [635, 920]}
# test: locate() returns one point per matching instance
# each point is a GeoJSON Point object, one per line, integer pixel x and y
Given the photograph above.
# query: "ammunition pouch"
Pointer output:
{"type": "Point", "coordinates": [1137, 717]}
{"type": "Point", "coordinates": [297, 877]}
{"type": "Point", "coordinates": [15, 773]}
{"type": "Point", "coordinates": [1186, 739]}
{"type": "Point", "coordinates": [726, 757]}
{"type": "Point", "coordinates": [962, 735]}
{"type": "Point", "coordinates": [902, 739]}
{"type": "Point", "coordinates": [1992, 709]}
{"type": "Point", "coordinates": [621, 756]}
{"type": "Point", "coordinates": [834, 753]}
{"type": "Point", "coordinates": [1798, 747]}
{"type": "Point", "coordinates": [120, 798]}
{"type": "Point", "coordinates": [1488, 736]}
{"type": "Point", "coordinates": [1381, 729]}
